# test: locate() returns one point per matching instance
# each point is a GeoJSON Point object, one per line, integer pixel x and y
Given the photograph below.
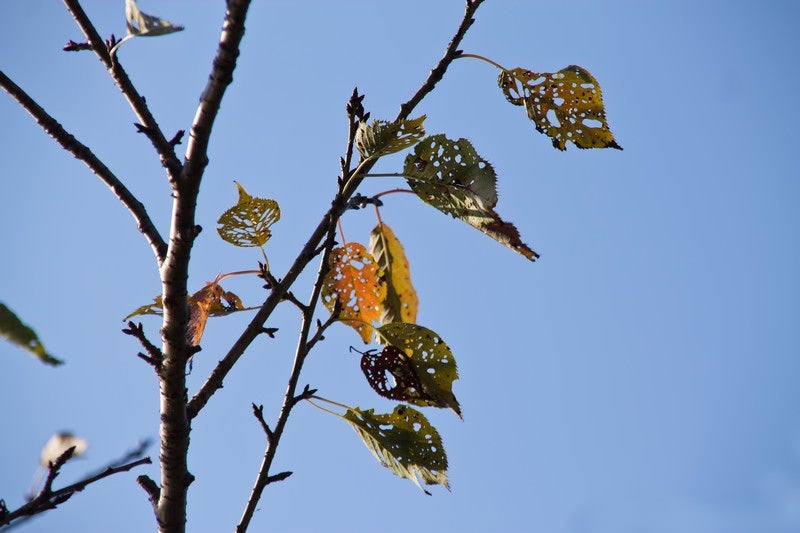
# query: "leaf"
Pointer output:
{"type": "Point", "coordinates": [144, 25]}
{"type": "Point", "coordinates": [401, 302]}
{"type": "Point", "coordinates": [391, 374]}
{"type": "Point", "coordinates": [453, 178]}
{"type": "Point", "coordinates": [431, 359]}
{"type": "Point", "coordinates": [356, 282]}
{"type": "Point", "coordinates": [566, 105]}
{"type": "Point", "coordinates": [404, 442]}
{"type": "Point", "coordinates": [58, 444]}
{"type": "Point", "coordinates": [381, 137]}
{"type": "Point", "coordinates": [155, 308]}
{"type": "Point", "coordinates": [16, 332]}
{"type": "Point", "coordinates": [247, 223]}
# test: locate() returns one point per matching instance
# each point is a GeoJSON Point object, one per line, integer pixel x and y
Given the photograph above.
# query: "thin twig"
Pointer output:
{"type": "Point", "coordinates": [154, 357]}
{"type": "Point", "coordinates": [312, 246]}
{"type": "Point", "coordinates": [165, 149]}
{"type": "Point", "coordinates": [83, 153]}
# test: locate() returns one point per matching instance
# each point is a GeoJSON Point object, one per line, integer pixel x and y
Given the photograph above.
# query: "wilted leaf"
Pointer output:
{"type": "Point", "coordinates": [401, 302]}
{"type": "Point", "coordinates": [404, 442]}
{"type": "Point", "coordinates": [13, 329]}
{"type": "Point", "coordinates": [381, 137]}
{"type": "Point", "coordinates": [566, 105]}
{"type": "Point", "coordinates": [356, 281]}
{"type": "Point", "coordinates": [431, 360]}
{"type": "Point", "coordinates": [141, 24]}
{"type": "Point", "coordinates": [453, 178]}
{"type": "Point", "coordinates": [248, 222]}
{"type": "Point", "coordinates": [58, 444]}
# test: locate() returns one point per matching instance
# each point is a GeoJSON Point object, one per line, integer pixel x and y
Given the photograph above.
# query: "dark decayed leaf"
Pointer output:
{"type": "Point", "coordinates": [404, 442]}
{"type": "Point", "coordinates": [392, 375]}
{"type": "Point", "coordinates": [453, 178]}
{"type": "Point", "coordinates": [566, 105]}
{"type": "Point", "coordinates": [381, 137]}
{"type": "Point", "coordinates": [16, 332]}
{"type": "Point", "coordinates": [401, 301]}
{"type": "Point", "coordinates": [247, 223]}
{"type": "Point", "coordinates": [354, 280]}
{"type": "Point", "coordinates": [430, 359]}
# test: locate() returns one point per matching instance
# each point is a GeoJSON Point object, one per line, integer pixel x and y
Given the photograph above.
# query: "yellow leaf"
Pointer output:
{"type": "Point", "coordinates": [566, 105]}
{"type": "Point", "coordinates": [356, 282]}
{"type": "Point", "coordinates": [248, 222]}
{"type": "Point", "coordinates": [401, 302]}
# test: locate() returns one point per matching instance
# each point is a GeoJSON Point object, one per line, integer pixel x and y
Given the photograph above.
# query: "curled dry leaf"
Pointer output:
{"type": "Point", "coordinates": [565, 106]}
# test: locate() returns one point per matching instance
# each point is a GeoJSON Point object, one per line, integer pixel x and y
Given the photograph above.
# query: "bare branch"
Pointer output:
{"type": "Point", "coordinates": [82, 152]}
{"type": "Point", "coordinates": [166, 151]}
{"type": "Point", "coordinates": [154, 357]}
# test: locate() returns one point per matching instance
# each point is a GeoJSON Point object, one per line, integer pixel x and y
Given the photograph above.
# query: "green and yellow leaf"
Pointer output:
{"type": "Point", "coordinates": [453, 178]}
{"type": "Point", "coordinates": [401, 302]}
{"type": "Point", "coordinates": [381, 137]}
{"type": "Point", "coordinates": [404, 442]}
{"type": "Point", "coordinates": [355, 281]}
{"type": "Point", "coordinates": [144, 25]}
{"type": "Point", "coordinates": [155, 308]}
{"type": "Point", "coordinates": [430, 359]}
{"type": "Point", "coordinates": [566, 105]}
{"type": "Point", "coordinates": [18, 333]}
{"type": "Point", "coordinates": [248, 222]}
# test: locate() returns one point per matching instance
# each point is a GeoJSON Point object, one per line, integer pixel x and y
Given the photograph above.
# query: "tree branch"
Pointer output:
{"type": "Point", "coordinates": [175, 420]}
{"type": "Point", "coordinates": [83, 153]}
{"type": "Point", "coordinates": [310, 249]}
{"type": "Point", "coordinates": [48, 499]}
{"type": "Point", "coordinates": [165, 149]}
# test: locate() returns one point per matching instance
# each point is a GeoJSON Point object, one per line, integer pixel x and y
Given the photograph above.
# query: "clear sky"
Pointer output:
{"type": "Point", "coordinates": [641, 377]}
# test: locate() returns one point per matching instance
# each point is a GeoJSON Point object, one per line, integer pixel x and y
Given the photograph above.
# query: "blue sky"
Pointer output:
{"type": "Point", "coordinates": [641, 377]}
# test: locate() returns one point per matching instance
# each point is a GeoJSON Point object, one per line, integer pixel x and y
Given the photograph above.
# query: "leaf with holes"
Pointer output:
{"type": "Point", "coordinates": [16, 332]}
{"type": "Point", "coordinates": [565, 106]}
{"type": "Point", "coordinates": [247, 223]}
{"type": "Point", "coordinates": [431, 360]}
{"type": "Point", "coordinates": [381, 137]}
{"type": "Point", "coordinates": [401, 302]}
{"type": "Point", "coordinates": [144, 25]}
{"type": "Point", "coordinates": [404, 442]}
{"type": "Point", "coordinates": [453, 178]}
{"type": "Point", "coordinates": [392, 375]}
{"type": "Point", "coordinates": [355, 281]}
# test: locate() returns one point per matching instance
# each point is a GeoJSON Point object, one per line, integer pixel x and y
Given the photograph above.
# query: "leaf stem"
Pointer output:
{"type": "Point", "coordinates": [485, 59]}
{"type": "Point", "coordinates": [385, 175]}
{"type": "Point", "coordinates": [323, 409]}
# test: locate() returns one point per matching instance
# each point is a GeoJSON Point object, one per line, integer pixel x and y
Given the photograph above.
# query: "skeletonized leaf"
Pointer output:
{"type": "Point", "coordinates": [381, 137]}
{"type": "Point", "coordinates": [144, 25]}
{"type": "Point", "coordinates": [453, 178]}
{"type": "Point", "coordinates": [58, 444]}
{"type": "Point", "coordinates": [404, 442]}
{"type": "Point", "coordinates": [401, 302]}
{"type": "Point", "coordinates": [566, 105]}
{"type": "Point", "coordinates": [354, 280]}
{"type": "Point", "coordinates": [248, 222]}
{"type": "Point", "coordinates": [16, 332]}
{"type": "Point", "coordinates": [431, 360]}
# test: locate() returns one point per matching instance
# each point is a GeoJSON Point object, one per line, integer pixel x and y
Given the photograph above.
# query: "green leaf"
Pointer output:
{"type": "Point", "coordinates": [381, 137]}
{"type": "Point", "coordinates": [401, 301]}
{"type": "Point", "coordinates": [565, 106]}
{"type": "Point", "coordinates": [247, 223]}
{"type": "Point", "coordinates": [432, 362]}
{"type": "Point", "coordinates": [144, 25]}
{"type": "Point", "coordinates": [404, 442]}
{"type": "Point", "coordinates": [16, 332]}
{"type": "Point", "coordinates": [453, 178]}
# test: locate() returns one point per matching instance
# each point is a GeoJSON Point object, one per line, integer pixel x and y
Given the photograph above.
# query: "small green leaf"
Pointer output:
{"type": "Point", "coordinates": [401, 301]}
{"type": "Point", "coordinates": [432, 362]}
{"type": "Point", "coordinates": [13, 329]}
{"type": "Point", "coordinates": [247, 223]}
{"type": "Point", "coordinates": [144, 25]}
{"type": "Point", "coordinates": [453, 178]}
{"type": "Point", "coordinates": [381, 137]}
{"type": "Point", "coordinates": [404, 442]}
{"type": "Point", "coordinates": [567, 106]}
